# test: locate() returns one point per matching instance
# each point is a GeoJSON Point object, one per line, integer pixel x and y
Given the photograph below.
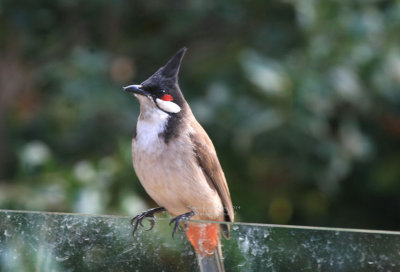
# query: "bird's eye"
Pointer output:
{"type": "Point", "coordinates": [161, 92]}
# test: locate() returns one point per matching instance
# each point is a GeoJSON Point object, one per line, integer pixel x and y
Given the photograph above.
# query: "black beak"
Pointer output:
{"type": "Point", "coordinates": [136, 89]}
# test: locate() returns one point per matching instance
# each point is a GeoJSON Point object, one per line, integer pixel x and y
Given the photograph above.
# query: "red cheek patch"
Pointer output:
{"type": "Point", "coordinates": [167, 97]}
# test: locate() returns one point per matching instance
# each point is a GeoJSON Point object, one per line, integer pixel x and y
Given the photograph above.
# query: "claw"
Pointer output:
{"type": "Point", "coordinates": [152, 223]}
{"type": "Point", "coordinates": [133, 219]}
{"type": "Point", "coordinates": [177, 220]}
{"type": "Point", "coordinates": [137, 220]}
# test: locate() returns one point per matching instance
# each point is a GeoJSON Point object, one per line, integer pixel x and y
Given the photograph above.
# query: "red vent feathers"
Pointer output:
{"type": "Point", "coordinates": [203, 237]}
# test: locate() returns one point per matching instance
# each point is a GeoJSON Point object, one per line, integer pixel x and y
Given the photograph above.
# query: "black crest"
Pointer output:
{"type": "Point", "coordinates": [171, 69]}
{"type": "Point", "coordinates": [168, 74]}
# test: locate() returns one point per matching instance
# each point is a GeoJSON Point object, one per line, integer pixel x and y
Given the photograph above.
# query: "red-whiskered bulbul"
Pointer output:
{"type": "Point", "coordinates": [177, 164]}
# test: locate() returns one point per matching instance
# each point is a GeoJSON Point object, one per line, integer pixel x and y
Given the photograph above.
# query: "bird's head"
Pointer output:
{"type": "Point", "coordinates": [161, 90]}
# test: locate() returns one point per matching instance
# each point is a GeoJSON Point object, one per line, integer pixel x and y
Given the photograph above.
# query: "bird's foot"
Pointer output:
{"type": "Point", "coordinates": [178, 219]}
{"type": "Point", "coordinates": [137, 220]}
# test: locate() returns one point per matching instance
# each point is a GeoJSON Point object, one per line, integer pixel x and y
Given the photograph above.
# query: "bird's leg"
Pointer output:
{"type": "Point", "coordinates": [149, 214]}
{"type": "Point", "coordinates": [178, 219]}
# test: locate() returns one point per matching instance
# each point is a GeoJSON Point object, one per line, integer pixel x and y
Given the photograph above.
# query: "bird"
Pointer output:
{"type": "Point", "coordinates": [177, 164]}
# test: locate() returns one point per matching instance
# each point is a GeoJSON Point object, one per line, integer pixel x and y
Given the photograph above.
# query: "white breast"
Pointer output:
{"type": "Point", "coordinates": [169, 172]}
{"type": "Point", "coordinates": [149, 127]}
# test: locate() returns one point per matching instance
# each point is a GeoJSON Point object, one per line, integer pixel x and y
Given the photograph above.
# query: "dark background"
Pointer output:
{"type": "Point", "coordinates": [301, 99]}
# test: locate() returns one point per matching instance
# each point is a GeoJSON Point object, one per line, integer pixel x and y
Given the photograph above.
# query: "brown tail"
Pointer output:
{"type": "Point", "coordinates": [205, 239]}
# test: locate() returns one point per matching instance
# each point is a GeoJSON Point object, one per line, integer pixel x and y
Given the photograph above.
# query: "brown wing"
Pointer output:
{"type": "Point", "coordinates": [208, 161]}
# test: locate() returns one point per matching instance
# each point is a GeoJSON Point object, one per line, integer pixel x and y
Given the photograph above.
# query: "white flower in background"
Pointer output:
{"type": "Point", "coordinates": [355, 143]}
{"type": "Point", "coordinates": [84, 171]}
{"type": "Point", "coordinates": [306, 13]}
{"type": "Point", "coordinates": [346, 83]}
{"type": "Point", "coordinates": [133, 204]}
{"type": "Point", "coordinates": [268, 74]}
{"type": "Point", "coordinates": [109, 164]}
{"type": "Point", "coordinates": [90, 201]}
{"type": "Point", "coordinates": [393, 66]}
{"type": "Point", "coordinates": [107, 168]}
{"type": "Point", "coordinates": [35, 153]}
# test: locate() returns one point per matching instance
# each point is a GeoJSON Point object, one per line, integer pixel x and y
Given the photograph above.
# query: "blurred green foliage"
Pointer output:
{"type": "Point", "coordinates": [301, 99]}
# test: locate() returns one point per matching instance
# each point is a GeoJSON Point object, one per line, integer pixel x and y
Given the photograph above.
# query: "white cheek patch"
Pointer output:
{"type": "Point", "coordinates": [168, 106]}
